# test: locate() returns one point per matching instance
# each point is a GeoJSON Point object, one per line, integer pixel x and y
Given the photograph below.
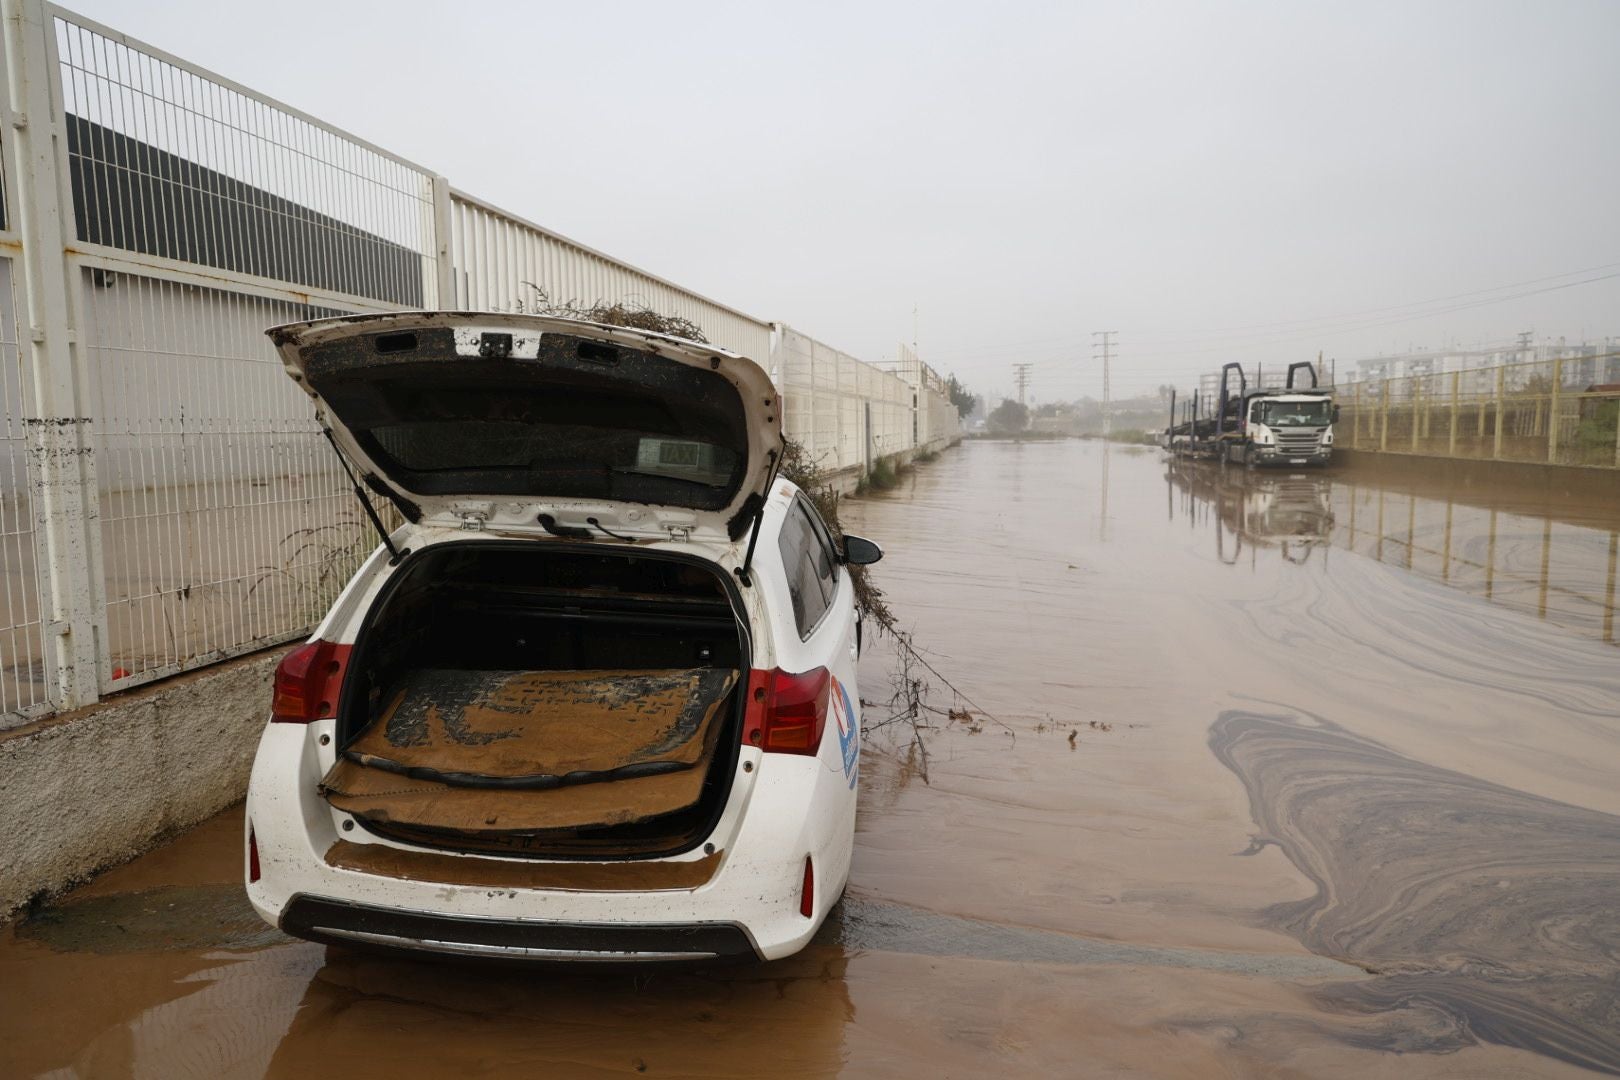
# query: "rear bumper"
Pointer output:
{"type": "Point", "coordinates": [779, 812]}
{"type": "Point", "coordinates": [343, 922]}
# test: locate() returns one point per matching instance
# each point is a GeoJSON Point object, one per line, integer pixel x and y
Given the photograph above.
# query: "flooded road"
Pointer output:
{"type": "Point", "coordinates": [1296, 776]}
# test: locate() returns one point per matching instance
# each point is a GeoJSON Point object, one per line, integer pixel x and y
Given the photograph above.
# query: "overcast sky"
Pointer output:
{"type": "Point", "coordinates": [1249, 181]}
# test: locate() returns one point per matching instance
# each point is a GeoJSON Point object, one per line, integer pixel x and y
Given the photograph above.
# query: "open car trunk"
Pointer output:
{"type": "Point", "coordinates": [541, 699]}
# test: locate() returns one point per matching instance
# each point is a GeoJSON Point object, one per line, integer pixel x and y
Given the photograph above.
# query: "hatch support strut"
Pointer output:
{"type": "Point", "coordinates": [376, 522]}
{"type": "Point", "coordinates": [759, 519]}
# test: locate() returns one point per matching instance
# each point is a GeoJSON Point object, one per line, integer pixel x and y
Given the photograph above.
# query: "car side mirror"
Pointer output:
{"type": "Point", "coordinates": [859, 551]}
{"type": "Point", "coordinates": [1335, 414]}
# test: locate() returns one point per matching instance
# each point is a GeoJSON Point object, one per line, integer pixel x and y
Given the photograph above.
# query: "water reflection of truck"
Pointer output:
{"type": "Point", "coordinates": [1289, 512]}
{"type": "Point", "coordinates": [1287, 425]}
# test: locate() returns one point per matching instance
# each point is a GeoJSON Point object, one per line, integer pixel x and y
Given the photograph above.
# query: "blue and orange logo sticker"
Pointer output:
{"type": "Point", "coordinates": [849, 737]}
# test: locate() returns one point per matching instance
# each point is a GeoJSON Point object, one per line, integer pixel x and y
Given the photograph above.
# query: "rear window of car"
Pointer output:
{"type": "Point", "coordinates": [581, 419]}
{"type": "Point", "coordinates": [540, 450]}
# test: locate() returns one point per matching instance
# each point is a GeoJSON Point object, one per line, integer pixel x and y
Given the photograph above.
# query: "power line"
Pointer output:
{"type": "Point", "coordinates": [1146, 385]}
{"type": "Point", "coordinates": [1347, 328]}
{"type": "Point", "coordinates": [1610, 270]}
{"type": "Point", "coordinates": [1160, 372]}
{"type": "Point", "coordinates": [1318, 334]}
{"type": "Point", "coordinates": [1351, 321]}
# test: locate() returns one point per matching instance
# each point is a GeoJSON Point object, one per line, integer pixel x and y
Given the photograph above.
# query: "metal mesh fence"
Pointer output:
{"type": "Point", "coordinates": [165, 161]}
{"type": "Point", "coordinates": [23, 688]}
{"type": "Point", "coordinates": [226, 523]}
{"type": "Point", "coordinates": [1558, 411]}
{"type": "Point", "coordinates": [223, 524]}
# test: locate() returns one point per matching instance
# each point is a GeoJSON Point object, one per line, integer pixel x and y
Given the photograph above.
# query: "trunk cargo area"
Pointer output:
{"type": "Point", "coordinates": [526, 698]}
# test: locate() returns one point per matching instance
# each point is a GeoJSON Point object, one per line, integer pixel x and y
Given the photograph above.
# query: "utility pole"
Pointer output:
{"type": "Point", "coordinates": [1105, 349]}
{"type": "Point", "coordinates": [1021, 375]}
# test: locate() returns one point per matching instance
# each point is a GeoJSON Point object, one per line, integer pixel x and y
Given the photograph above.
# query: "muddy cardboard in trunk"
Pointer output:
{"type": "Point", "coordinates": [543, 728]}
{"type": "Point", "coordinates": [531, 750]}
{"type": "Point", "coordinates": [389, 798]}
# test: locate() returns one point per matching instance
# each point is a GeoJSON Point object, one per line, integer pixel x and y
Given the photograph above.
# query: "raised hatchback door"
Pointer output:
{"type": "Point", "coordinates": [536, 416]}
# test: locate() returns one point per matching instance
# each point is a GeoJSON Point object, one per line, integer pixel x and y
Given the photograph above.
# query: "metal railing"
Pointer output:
{"type": "Point", "coordinates": [1561, 411]}
{"type": "Point", "coordinates": [166, 499]}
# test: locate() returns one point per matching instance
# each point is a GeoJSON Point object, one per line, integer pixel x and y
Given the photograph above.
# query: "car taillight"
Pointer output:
{"type": "Point", "coordinates": [253, 856]}
{"type": "Point", "coordinates": [807, 892]}
{"type": "Point", "coordinates": [307, 683]}
{"type": "Point", "coordinates": [787, 711]}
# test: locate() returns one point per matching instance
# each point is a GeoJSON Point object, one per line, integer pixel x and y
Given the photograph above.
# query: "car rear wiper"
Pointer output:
{"type": "Point", "coordinates": [567, 532]}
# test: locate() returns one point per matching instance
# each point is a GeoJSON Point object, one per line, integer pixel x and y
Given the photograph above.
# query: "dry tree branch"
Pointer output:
{"type": "Point", "coordinates": [618, 313]}
{"type": "Point", "coordinates": [906, 705]}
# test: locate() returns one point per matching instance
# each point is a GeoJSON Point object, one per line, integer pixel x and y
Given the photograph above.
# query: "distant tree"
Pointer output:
{"type": "Point", "coordinates": [1008, 418]}
{"type": "Point", "coordinates": [1051, 408]}
{"type": "Point", "coordinates": [1165, 390]}
{"type": "Point", "coordinates": [965, 402]}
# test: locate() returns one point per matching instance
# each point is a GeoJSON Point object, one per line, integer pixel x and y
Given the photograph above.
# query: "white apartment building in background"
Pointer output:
{"type": "Point", "coordinates": [1589, 363]}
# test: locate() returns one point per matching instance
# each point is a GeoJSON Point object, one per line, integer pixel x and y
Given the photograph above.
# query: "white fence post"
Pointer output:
{"type": "Point", "coordinates": [444, 277]}
{"type": "Point", "coordinates": [62, 463]}
{"type": "Point", "coordinates": [812, 440]}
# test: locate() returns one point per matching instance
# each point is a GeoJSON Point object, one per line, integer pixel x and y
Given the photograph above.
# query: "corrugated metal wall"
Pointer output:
{"type": "Point", "coordinates": [499, 261]}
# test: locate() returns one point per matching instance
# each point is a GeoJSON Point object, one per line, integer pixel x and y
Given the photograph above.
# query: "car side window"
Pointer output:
{"type": "Point", "coordinates": [803, 557]}
{"type": "Point", "coordinates": [827, 556]}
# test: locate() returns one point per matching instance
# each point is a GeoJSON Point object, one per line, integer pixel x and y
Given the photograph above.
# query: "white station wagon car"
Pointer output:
{"type": "Point", "coordinates": [595, 700]}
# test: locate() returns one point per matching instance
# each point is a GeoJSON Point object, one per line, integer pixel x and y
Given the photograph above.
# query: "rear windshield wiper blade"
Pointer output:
{"type": "Point", "coordinates": [567, 532]}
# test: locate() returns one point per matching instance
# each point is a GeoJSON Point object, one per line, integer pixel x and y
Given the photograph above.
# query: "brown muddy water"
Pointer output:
{"type": "Point", "coordinates": [1306, 776]}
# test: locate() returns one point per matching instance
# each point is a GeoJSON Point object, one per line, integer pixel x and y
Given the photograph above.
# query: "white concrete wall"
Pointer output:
{"type": "Point", "coordinates": [88, 790]}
